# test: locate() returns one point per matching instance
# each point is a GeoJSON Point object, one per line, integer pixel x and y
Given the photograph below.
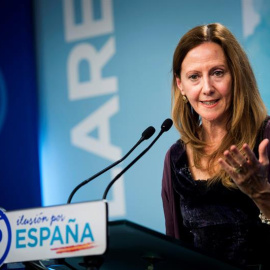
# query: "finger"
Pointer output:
{"type": "Point", "coordinates": [226, 167]}
{"type": "Point", "coordinates": [263, 155]}
{"type": "Point", "coordinates": [252, 159]}
{"type": "Point", "coordinates": [230, 159]}
{"type": "Point", "coordinates": [239, 158]}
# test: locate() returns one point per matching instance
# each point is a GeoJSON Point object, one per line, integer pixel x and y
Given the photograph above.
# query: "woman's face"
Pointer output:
{"type": "Point", "coordinates": [206, 81]}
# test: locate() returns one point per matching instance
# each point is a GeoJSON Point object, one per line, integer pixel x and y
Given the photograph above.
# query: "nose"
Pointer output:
{"type": "Point", "coordinates": [207, 87]}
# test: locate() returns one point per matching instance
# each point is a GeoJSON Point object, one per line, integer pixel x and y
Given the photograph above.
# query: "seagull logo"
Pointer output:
{"type": "Point", "coordinates": [5, 237]}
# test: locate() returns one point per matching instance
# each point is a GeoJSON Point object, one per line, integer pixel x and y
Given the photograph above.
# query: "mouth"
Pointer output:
{"type": "Point", "coordinates": [210, 102]}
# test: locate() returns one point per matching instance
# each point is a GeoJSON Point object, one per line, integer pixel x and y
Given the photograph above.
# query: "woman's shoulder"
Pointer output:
{"type": "Point", "coordinates": [176, 151]}
{"type": "Point", "coordinates": [266, 127]}
{"type": "Point", "coordinates": [267, 122]}
{"type": "Point", "coordinates": [178, 146]}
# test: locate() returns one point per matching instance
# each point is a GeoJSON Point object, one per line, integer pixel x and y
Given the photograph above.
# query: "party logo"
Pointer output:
{"type": "Point", "coordinates": [5, 237]}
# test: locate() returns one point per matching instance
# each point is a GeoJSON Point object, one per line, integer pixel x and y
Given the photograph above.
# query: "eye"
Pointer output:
{"type": "Point", "coordinates": [193, 77]}
{"type": "Point", "coordinates": [218, 73]}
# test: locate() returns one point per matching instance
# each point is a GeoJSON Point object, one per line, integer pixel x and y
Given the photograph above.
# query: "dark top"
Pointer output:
{"type": "Point", "coordinates": [220, 221]}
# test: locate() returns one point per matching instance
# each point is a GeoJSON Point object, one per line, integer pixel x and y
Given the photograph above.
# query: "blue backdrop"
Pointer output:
{"type": "Point", "coordinates": [104, 75]}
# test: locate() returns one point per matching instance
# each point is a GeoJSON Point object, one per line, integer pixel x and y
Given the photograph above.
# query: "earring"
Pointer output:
{"type": "Point", "coordinates": [185, 99]}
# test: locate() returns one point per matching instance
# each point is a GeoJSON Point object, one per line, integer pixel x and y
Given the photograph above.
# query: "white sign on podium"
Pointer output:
{"type": "Point", "coordinates": [70, 230]}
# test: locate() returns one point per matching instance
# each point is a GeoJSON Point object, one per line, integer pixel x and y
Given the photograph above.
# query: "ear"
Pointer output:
{"type": "Point", "coordinates": [179, 85]}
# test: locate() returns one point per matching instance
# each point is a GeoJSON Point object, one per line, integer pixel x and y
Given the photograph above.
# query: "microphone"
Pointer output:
{"type": "Point", "coordinates": [145, 136]}
{"type": "Point", "coordinates": [166, 125]}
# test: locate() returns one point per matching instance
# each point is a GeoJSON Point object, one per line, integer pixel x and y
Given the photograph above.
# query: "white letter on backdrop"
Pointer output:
{"type": "Point", "coordinates": [100, 120]}
{"type": "Point", "coordinates": [89, 27]}
{"type": "Point", "coordinates": [97, 60]}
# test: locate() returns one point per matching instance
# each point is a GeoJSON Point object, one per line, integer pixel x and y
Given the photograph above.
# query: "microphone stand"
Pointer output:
{"type": "Point", "coordinates": [94, 262]}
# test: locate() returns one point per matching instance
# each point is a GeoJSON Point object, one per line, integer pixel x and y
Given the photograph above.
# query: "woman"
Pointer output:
{"type": "Point", "coordinates": [215, 187]}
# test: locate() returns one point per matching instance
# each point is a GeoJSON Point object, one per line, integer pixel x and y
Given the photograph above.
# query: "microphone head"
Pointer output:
{"type": "Point", "coordinates": [148, 133]}
{"type": "Point", "coordinates": [167, 124]}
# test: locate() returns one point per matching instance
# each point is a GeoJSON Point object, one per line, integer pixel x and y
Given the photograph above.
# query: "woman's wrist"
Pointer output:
{"type": "Point", "coordinates": [263, 196]}
{"type": "Point", "coordinates": [262, 200]}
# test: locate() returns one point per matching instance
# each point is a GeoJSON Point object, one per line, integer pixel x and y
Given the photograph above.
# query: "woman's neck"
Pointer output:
{"type": "Point", "coordinates": [212, 135]}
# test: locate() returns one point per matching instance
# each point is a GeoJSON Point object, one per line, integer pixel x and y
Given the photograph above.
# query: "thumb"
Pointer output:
{"type": "Point", "coordinates": [263, 155]}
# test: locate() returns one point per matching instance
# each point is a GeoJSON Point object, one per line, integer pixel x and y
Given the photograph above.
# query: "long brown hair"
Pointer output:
{"type": "Point", "coordinates": [247, 110]}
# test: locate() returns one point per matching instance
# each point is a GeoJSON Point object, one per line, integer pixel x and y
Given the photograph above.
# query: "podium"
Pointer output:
{"type": "Point", "coordinates": [133, 247]}
{"type": "Point", "coordinates": [121, 245]}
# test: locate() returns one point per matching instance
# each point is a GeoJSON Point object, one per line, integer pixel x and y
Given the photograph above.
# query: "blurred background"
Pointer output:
{"type": "Point", "coordinates": [80, 80]}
